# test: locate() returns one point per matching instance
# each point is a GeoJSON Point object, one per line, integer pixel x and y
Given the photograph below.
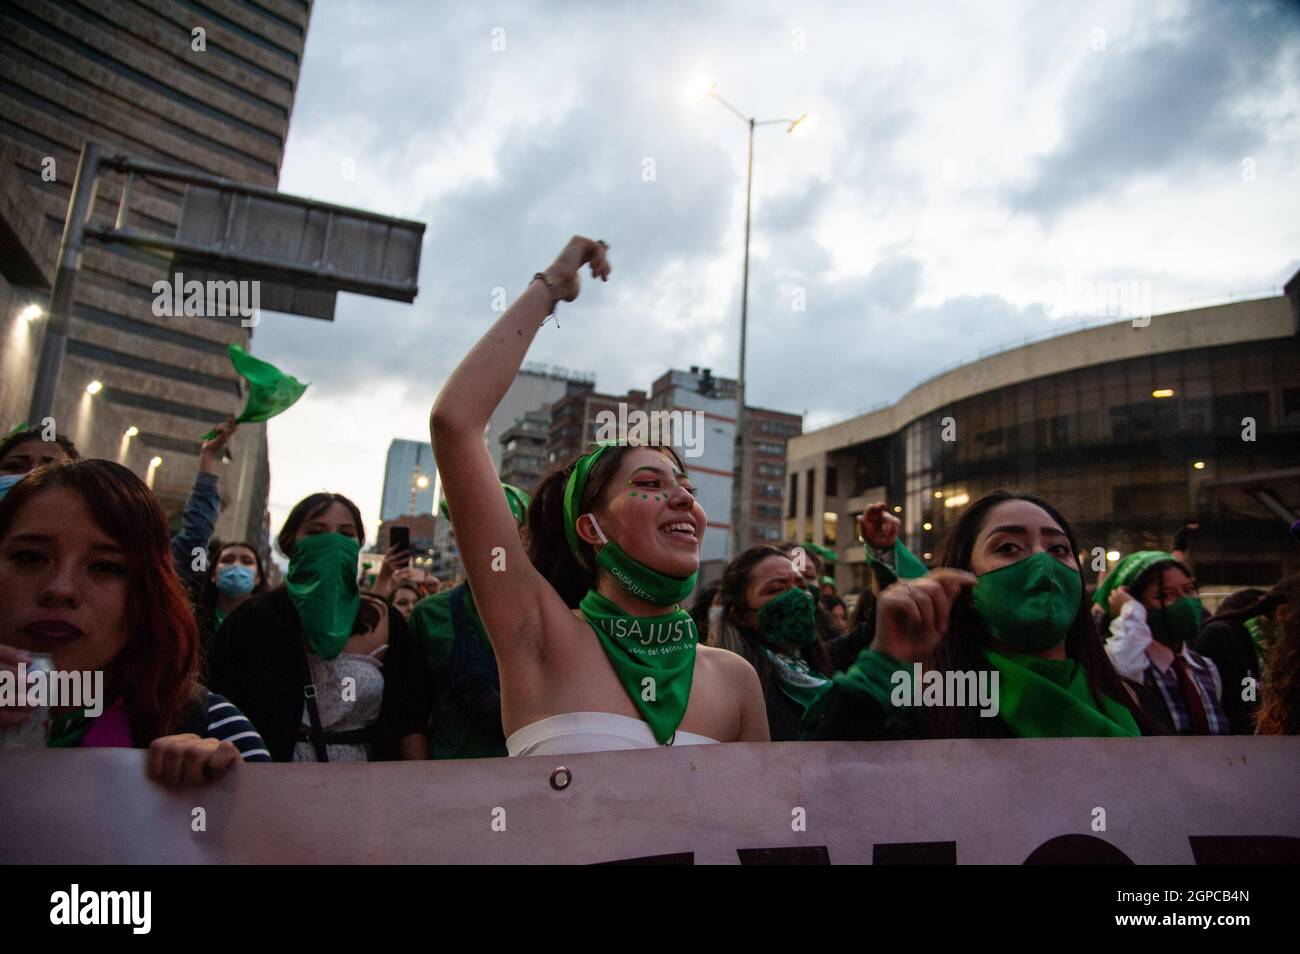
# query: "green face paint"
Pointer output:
{"type": "Point", "coordinates": [788, 619]}
{"type": "Point", "coordinates": [322, 584]}
{"type": "Point", "coordinates": [1176, 623]}
{"type": "Point", "coordinates": [1030, 604]}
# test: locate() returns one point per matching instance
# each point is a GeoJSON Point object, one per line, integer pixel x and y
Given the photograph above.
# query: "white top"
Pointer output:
{"type": "Point", "coordinates": [572, 732]}
{"type": "Point", "coordinates": [343, 707]}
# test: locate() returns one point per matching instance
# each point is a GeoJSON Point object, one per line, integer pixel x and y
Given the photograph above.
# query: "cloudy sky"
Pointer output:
{"type": "Point", "coordinates": [964, 158]}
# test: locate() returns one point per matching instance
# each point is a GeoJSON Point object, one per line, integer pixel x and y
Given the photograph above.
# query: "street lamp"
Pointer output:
{"type": "Point", "coordinates": [699, 89]}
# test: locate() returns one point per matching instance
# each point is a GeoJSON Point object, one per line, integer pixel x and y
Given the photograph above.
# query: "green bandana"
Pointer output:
{"type": "Point", "coordinates": [1050, 699]}
{"type": "Point", "coordinates": [1029, 604]}
{"type": "Point", "coordinates": [1260, 629]}
{"type": "Point", "coordinates": [518, 500]}
{"type": "Point", "coordinates": [270, 390]}
{"type": "Point", "coordinates": [322, 583]}
{"type": "Point", "coordinates": [906, 565]}
{"type": "Point", "coordinates": [797, 680]}
{"type": "Point", "coordinates": [67, 729]}
{"type": "Point", "coordinates": [1176, 623]}
{"type": "Point", "coordinates": [1126, 571]}
{"type": "Point", "coordinates": [653, 656]}
{"type": "Point", "coordinates": [638, 579]}
{"type": "Point", "coordinates": [788, 619]}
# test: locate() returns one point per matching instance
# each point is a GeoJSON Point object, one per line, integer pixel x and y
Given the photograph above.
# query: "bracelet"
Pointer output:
{"type": "Point", "coordinates": [555, 302]}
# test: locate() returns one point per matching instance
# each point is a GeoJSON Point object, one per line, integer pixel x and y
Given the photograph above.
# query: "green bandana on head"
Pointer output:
{"type": "Point", "coordinates": [1125, 572]}
{"type": "Point", "coordinates": [322, 584]}
{"type": "Point", "coordinates": [519, 501]}
{"type": "Point", "coordinates": [638, 579]}
{"type": "Point", "coordinates": [270, 390]}
{"type": "Point", "coordinates": [653, 657]}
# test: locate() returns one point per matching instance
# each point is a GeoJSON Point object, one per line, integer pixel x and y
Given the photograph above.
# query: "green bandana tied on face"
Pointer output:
{"type": "Point", "coordinates": [788, 620]}
{"type": "Point", "coordinates": [1176, 623]}
{"type": "Point", "coordinates": [1050, 699]}
{"type": "Point", "coordinates": [1030, 604]}
{"type": "Point", "coordinates": [270, 390]}
{"type": "Point", "coordinates": [638, 579]}
{"type": "Point", "coordinates": [653, 656]}
{"type": "Point", "coordinates": [322, 584]}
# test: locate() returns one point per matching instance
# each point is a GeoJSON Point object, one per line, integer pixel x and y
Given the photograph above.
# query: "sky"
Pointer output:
{"type": "Point", "coordinates": [964, 163]}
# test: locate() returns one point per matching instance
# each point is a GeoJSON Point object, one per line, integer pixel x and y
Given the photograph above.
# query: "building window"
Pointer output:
{"type": "Point", "coordinates": [794, 494]}
{"type": "Point", "coordinates": [832, 482]}
{"type": "Point", "coordinates": [808, 492]}
{"type": "Point", "coordinates": [830, 523]}
{"type": "Point", "coordinates": [768, 512]}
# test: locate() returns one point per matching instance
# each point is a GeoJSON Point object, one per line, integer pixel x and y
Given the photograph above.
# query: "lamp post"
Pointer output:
{"type": "Point", "coordinates": [701, 89]}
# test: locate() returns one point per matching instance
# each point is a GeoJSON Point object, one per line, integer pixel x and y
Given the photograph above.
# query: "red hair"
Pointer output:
{"type": "Point", "coordinates": [154, 674]}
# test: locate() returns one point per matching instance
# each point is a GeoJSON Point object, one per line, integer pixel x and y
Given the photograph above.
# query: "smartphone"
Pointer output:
{"type": "Point", "coordinates": [399, 537]}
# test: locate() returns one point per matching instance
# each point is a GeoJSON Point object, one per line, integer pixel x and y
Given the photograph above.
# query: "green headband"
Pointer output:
{"type": "Point", "coordinates": [573, 489]}
{"type": "Point", "coordinates": [518, 500]}
{"type": "Point", "coordinates": [1125, 572]}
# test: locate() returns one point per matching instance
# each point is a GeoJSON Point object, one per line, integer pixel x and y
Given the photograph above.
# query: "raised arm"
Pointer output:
{"type": "Point", "coordinates": [510, 594]}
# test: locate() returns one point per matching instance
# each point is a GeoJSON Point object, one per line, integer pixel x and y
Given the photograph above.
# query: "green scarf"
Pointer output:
{"type": "Point", "coordinates": [653, 656]}
{"type": "Point", "coordinates": [906, 565]}
{"type": "Point", "coordinates": [322, 583]}
{"type": "Point", "coordinates": [67, 729]}
{"type": "Point", "coordinates": [1050, 699]}
{"type": "Point", "coordinates": [797, 680]}
{"type": "Point", "coordinates": [270, 390]}
{"type": "Point", "coordinates": [1126, 571]}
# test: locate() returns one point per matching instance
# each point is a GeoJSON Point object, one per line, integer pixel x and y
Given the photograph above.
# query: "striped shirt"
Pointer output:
{"type": "Point", "coordinates": [226, 723]}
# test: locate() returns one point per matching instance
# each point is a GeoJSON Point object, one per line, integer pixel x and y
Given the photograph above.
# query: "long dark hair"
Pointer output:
{"type": "Point", "coordinates": [314, 506]}
{"type": "Point", "coordinates": [961, 649]}
{"type": "Point", "coordinates": [1279, 705]}
{"type": "Point", "coordinates": [735, 634]}
{"type": "Point", "coordinates": [154, 674]}
{"type": "Point", "coordinates": [14, 438]}
{"type": "Point", "coordinates": [548, 546]}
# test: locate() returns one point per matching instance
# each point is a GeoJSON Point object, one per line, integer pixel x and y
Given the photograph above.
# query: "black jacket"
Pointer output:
{"type": "Point", "coordinates": [259, 663]}
{"type": "Point", "coordinates": [1229, 646]}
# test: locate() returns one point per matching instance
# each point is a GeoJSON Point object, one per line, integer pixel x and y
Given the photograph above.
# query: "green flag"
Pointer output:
{"type": "Point", "coordinates": [270, 390]}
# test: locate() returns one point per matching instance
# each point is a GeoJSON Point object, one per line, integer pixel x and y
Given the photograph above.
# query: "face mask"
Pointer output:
{"type": "Point", "coordinates": [1176, 623]}
{"type": "Point", "coordinates": [788, 620]}
{"type": "Point", "coordinates": [7, 481]}
{"type": "Point", "coordinates": [637, 578]}
{"type": "Point", "coordinates": [1029, 605]}
{"type": "Point", "coordinates": [235, 580]}
{"type": "Point", "coordinates": [322, 583]}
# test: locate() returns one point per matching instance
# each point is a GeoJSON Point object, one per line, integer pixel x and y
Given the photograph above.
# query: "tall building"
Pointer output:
{"type": "Point", "coordinates": [574, 425]}
{"type": "Point", "coordinates": [763, 482]}
{"type": "Point", "coordinates": [206, 86]}
{"type": "Point", "coordinates": [408, 479]}
{"type": "Point", "coordinates": [1188, 426]}
{"type": "Point", "coordinates": [523, 452]}
{"type": "Point", "coordinates": [536, 386]}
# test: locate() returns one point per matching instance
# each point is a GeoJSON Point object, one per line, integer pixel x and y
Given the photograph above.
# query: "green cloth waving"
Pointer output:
{"type": "Point", "coordinates": [905, 565]}
{"type": "Point", "coordinates": [270, 390]}
{"type": "Point", "coordinates": [1050, 699]}
{"type": "Point", "coordinates": [653, 657]}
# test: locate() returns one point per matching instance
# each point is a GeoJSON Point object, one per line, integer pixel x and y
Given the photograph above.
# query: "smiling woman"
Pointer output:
{"type": "Point", "coordinates": [594, 649]}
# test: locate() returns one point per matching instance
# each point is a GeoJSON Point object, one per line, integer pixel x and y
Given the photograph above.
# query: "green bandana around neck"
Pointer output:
{"type": "Point", "coordinates": [641, 581]}
{"type": "Point", "coordinates": [322, 583]}
{"type": "Point", "coordinates": [270, 390]}
{"type": "Point", "coordinates": [1177, 623]}
{"type": "Point", "coordinates": [1050, 699]}
{"type": "Point", "coordinates": [1126, 571]}
{"type": "Point", "coordinates": [67, 729]}
{"type": "Point", "coordinates": [797, 680]}
{"type": "Point", "coordinates": [653, 657]}
{"type": "Point", "coordinates": [1030, 604]}
{"type": "Point", "coordinates": [788, 620]}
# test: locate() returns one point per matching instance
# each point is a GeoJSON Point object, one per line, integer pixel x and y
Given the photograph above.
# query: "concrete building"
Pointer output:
{"type": "Point", "coordinates": [536, 386]}
{"type": "Point", "coordinates": [133, 79]}
{"type": "Point", "coordinates": [1134, 433]}
{"type": "Point", "coordinates": [574, 425]}
{"type": "Point", "coordinates": [767, 437]}
{"type": "Point", "coordinates": [408, 480]}
{"type": "Point", "coordinates": [523, 452]}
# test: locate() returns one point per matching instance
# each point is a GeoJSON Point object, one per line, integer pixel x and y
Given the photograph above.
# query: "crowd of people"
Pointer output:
{"type": "Point", "coordinates": [579, 625]}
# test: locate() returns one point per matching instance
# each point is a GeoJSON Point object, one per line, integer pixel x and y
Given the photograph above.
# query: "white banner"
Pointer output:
{"type": "Point", "coordinates": [1159, 800]}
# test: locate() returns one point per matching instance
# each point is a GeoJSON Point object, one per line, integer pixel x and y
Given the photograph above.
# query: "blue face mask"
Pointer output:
{"type": "Point", "coordinates": [7, 481]}
{"type": "Point", "coordinates": [235, 580]}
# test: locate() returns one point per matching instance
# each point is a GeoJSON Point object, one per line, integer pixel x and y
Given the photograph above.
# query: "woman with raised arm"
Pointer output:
{"type": "Point", "coordinates": [594, 650]}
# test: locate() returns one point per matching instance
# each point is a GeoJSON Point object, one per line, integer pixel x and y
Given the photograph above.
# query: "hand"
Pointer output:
{"type": "Point", "coordinates": [210, 452]}
{"type": "Point", "coordinates": [13, 716]}
{"type": "Point", "coordinates": [396, 559]}
{"type": "Point", "coordinates": [1118, 597]}
{"type": "Point", "coordinates": [189, 760]}
{"type": "Point", "coordinates": [879, 527]}
{"type": "Point", "coordinates": [563, 273]}
{"type": "Point", "coordinates": [912, 615]}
